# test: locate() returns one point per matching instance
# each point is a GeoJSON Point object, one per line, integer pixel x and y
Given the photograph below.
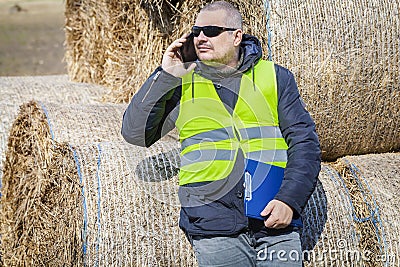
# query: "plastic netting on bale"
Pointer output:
{"type": "Point", "coordinates": [14, 91]}
{"type": "Point", "coordinates": [373, 184]}
{"type": "Point", "coordinates": [35, 171]}
{"type": "Point", "coordinates": [131, 205]}
{"type": "Point", "coordinates": [52, 88]}
{"type": "Point", "coordinates": [345, 56]}
{"type": "Point", "coordinates": [327, 223]}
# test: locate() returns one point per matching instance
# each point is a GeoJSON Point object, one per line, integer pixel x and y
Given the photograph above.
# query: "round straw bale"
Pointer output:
{"type": "Point", "coordinates": [345, 57]}
{"type": "Point", "coordinates": [55, 88]}
{"type": "Point", "coordinates": [131, 207]}
{"type": "Point", "coordinates": [43, 178]}
{"type": "Point", "coordinates": [41, 200]}
{"type": "Point", "coordinates": [373, 183]}
{"type": "Point", "coordinates": [123, 200]}
{"type": "Point", "coordinates": [85, 34]}
{"type": "Point", "coordinates": [328, 226]}
{"type": "Point", "coordinates": [52, 88]}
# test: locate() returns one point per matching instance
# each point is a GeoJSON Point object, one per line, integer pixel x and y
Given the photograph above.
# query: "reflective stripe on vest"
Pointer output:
{"type": "Point", "coordinates": [211, 136]}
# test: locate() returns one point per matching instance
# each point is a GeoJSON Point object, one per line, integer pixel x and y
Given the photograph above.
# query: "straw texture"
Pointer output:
{"type": "Point", "coordinates": [131, 207]}
{"type": "Point", "coordinates": [54, 89]}
{"type": "Point", "coordinates": [373, 184]}
{"type": "Point", "coordinates": [40, 202]}
{"type": "Point", "coordinates": [345, 56]}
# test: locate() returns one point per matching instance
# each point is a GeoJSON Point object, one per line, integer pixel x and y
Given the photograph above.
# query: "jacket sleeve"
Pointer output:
{"type": "Point", "coordinates": [145, 119]}
{"type": "Point", "coordinates": [304, 154]}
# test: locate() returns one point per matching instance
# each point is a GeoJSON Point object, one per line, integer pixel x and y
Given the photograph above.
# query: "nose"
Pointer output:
{"type": "Point", "coordinates": [202, 36]}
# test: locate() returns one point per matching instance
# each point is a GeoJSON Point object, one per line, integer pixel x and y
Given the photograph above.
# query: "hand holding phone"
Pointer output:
{"type": "Point", "coordinates": [179, 56]}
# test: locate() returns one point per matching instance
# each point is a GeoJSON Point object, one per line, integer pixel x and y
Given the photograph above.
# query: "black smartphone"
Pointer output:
{"type": "Point", "coordinates": [187, 51]}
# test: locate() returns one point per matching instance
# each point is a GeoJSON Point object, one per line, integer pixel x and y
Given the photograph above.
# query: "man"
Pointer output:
{"type": "Point", "coordinates": [231, 108]}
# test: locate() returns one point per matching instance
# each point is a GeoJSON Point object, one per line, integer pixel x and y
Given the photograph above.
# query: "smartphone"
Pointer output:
{"type": "Point", "coordinates": [187, 51]}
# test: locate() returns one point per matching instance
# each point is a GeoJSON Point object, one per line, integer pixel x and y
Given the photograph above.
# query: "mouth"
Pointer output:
{"type": "Point", "coordinates": [203, 48]}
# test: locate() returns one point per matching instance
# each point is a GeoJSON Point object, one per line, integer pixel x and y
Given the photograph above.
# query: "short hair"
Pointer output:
{"type": "Point", "coordinates": [233, 16]}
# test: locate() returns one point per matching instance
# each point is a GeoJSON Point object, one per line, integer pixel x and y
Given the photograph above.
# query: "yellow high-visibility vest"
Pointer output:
{"type": "Point", "coordinates": [211, 136]}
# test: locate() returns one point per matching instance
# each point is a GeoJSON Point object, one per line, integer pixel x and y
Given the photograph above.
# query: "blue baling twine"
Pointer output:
{"type": "Point", "coordinates": [98, 204]}
{"type": "Point", "coordinates": [78, 167]}
{"type": "Point", "coordinates": [267, 8]}
{"type": "Point", "coordinates": [48, 119]}
{"type": "Point", "coordinates": [85, 216]}
{"type": "Point", "coordinates": [374, 217]}
{"type": "Point", "coordinates": [333, 175]}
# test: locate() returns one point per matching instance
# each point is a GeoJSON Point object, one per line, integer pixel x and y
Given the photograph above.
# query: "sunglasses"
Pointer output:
{"type": "Point", "coordinates": [210, 31]}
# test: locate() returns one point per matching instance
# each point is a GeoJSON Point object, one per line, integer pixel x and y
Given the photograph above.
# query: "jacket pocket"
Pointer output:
{"type": "Point", "coordinates": [214, 217]}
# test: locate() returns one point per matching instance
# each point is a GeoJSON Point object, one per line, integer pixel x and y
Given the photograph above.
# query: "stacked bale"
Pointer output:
{"type": "Point", "coordinates": [40, 202]}
{"type": "Point", "coordinates": [373, 183]}
{"type": "Point", "coordinates": [98, 200]}
{"type": "Point", "coordinates": [64, 205]}
{"type": "Point", "coordinates": [345, 59]}
{"type": "Point", "coordinates": [39, 186]}
{"type": "Point", "coordinates": [56, 89]}
{"type": "Point", "coordinates": [131, 207]}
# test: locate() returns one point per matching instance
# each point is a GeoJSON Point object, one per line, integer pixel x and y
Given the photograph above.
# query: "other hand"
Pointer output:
{"type": "Point", "coordinates": [172, 61]}
{"type": "Point", "coordinates": [280, 214]}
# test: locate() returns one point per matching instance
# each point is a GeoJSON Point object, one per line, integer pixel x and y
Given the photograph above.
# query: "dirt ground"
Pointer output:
{"type": "Point", "coordinates": [31, 37]}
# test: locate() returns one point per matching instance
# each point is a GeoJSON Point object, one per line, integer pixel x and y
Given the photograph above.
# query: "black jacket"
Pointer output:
{"type": "Point", "coordinates": [153, 111]}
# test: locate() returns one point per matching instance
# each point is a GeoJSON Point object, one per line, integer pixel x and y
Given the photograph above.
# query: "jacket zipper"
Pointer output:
{"type": "Point", "coordinates": [151, 85]}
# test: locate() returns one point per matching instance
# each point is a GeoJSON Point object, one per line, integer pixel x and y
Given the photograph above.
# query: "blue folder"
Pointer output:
{"type": "Point", "coordinates": [262, 183]}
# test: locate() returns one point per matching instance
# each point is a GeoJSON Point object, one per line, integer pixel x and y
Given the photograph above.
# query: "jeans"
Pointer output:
{"type": "Point", "coordinates": [245, 250]}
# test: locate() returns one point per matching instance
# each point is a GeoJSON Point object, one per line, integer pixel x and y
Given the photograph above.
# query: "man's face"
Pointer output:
{"type": "Point", "coordinates": [219, 49]}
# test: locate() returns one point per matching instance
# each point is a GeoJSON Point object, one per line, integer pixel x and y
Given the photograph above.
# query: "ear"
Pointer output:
{"type": "Point", "coordinates": [238, 35]}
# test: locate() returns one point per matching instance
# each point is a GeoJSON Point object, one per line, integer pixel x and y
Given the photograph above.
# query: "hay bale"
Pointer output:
{"type": "Point", "coordinates": [132, 208]}
{"type": "Point", "coordinates": [123, 206]}
{"type": "Point", "coordinates": [329, 228]}
{"type": "Point", "coordinates": [46, 183]}
{"type": "Point", "coordinates": [345, 59]}
{"type": "Point", "coordinates": [40, 202]}
{"type": "Point", "coordinates": [373, 184]}
{"type": "Point", "coordinates": [55, 89]}
{"type": "Point", "coordinates": [52, 88]}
